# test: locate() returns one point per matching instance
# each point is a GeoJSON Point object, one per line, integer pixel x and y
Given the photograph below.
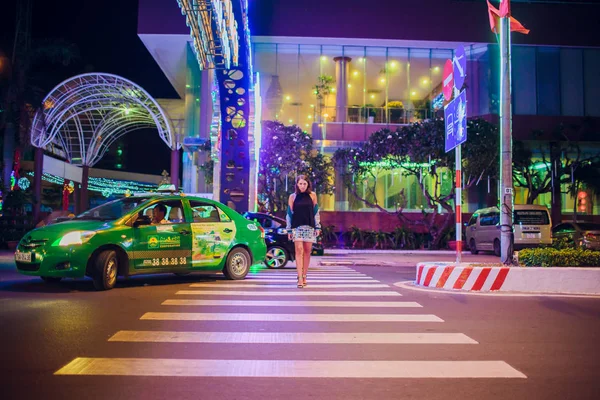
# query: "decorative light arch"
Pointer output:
{"type": "Point", "coordinates": [82, 116]}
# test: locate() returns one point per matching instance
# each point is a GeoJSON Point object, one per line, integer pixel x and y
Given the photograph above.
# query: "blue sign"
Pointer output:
{"type": "Point", "coordinates": [455, 120]}
{"type": "Point", "coordinates": [460, 67]}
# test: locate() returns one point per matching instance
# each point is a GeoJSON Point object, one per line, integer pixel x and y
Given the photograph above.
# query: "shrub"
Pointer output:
{"type": "Point", "coordinates": [550, 257]}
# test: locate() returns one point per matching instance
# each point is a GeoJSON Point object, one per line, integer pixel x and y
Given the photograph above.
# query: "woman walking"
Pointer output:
{"type": "Point", "coordinates": [305, 222]}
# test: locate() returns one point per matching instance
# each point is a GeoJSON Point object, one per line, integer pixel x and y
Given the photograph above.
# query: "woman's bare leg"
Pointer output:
{"type": "Point", "coordinates": [298, 245]}
{"type": "Point", "coordinates": [307, 247]}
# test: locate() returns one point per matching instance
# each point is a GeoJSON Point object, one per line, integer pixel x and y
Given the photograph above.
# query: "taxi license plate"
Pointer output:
{"type": "Point", "coordinates": [23, 257]}
{"type": "Point", "coordinates": [532, 235]}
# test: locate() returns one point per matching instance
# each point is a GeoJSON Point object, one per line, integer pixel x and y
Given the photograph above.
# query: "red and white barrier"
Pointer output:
{"type": "Point", "coordinates": [446, 275]}
{"type": "Point", "coordinates": [449, 276]}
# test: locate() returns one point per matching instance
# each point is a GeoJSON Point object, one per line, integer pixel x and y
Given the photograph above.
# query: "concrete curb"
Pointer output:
{"type": "Point", "coordinates": [329, 252]}
{"type": "Point", "coordinates": [464, 277]}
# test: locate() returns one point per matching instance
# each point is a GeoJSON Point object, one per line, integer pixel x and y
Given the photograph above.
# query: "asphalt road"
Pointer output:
{"type": "Point", "coordinates": [269, 339]}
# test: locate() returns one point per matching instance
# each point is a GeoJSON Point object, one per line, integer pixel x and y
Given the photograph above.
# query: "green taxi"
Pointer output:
{"type": "Point", "coordinates": [122, 238]}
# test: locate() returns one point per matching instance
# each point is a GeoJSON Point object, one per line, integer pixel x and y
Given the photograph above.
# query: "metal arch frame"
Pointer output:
{"type": "Point", "coordinates": [96, 101]}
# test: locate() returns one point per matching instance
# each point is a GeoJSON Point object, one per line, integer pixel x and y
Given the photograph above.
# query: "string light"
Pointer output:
{"type": "Point", "coordinates": [105, 186]}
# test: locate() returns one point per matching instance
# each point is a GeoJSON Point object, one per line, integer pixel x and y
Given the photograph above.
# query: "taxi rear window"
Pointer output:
{"type": "Point", "coordinates": [532, 217]}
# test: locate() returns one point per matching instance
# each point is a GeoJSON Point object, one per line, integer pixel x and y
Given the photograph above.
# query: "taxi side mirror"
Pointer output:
{"type": "Point", "coordinates": [142, 220]}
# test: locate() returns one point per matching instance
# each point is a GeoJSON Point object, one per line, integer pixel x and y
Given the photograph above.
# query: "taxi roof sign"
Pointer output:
{"type": "Point", "coordinates": [170, 188]}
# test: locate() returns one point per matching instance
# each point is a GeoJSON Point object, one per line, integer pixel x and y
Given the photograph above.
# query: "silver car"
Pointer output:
{"type": "Point", "coordinates": [585, 235]}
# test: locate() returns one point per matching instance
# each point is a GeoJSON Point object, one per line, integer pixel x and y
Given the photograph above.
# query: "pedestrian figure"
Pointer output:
{"type": "Point", "coordinates": [304, 220]}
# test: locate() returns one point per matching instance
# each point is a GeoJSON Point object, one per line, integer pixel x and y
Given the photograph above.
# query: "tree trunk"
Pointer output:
{"type": "Point", "coordinates": [8, 154]}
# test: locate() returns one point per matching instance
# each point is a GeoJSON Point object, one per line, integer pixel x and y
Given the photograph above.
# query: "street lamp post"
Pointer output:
{"type": "Point", "coordinates": [506, 181]}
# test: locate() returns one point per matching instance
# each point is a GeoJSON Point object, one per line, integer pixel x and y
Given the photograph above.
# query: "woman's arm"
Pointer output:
{"type": "Point", "coordinates": [313, 196]}
{"type": "Point", "coordinates": [290, 211]}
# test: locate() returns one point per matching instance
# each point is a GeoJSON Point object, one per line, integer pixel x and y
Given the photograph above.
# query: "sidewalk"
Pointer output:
{"type": "Point", "coordinates": [330, 252]}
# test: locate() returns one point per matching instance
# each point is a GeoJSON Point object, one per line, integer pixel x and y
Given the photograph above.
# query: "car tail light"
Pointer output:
{"type": "Point", "coordinates": [262, 232]}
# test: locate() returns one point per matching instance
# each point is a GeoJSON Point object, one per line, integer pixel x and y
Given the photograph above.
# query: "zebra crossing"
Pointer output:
{"type": "Point", "coordinates": [271, 296]}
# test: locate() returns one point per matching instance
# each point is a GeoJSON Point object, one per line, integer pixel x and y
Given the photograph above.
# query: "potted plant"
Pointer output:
{"type": "Point", "coordinates": [396, 111]}
{"type": "Point", "coordinates": [321, 90]}
{"type": "Point", "coordinates": [368, 113]}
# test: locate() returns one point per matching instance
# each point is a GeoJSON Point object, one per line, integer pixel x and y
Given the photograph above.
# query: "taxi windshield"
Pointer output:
{"type": "Point", "coordinates": [113, 209]}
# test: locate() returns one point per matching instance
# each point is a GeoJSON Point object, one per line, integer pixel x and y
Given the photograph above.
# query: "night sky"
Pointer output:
{"type": "Point", "coordinates": [105, 33]}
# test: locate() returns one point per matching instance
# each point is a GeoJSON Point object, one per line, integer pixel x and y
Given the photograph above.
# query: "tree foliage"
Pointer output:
{"type": "Point", "coordinates": [540, 164]}
{"type": "Point", "coordinates": [287, 151]}
{"type": "Point", "coordinates": [418, 150]}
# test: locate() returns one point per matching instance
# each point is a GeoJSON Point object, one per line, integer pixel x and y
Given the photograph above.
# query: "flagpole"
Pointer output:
{"type": "Point", "coordinates": [505, 196]}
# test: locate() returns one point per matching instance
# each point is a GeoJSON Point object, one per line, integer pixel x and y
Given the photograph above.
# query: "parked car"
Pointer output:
{"type": "Point", "coordinates": [118, 238]}
{"type": "Point", "coordinates": [280, 249]}
{"type": "Point", "coordinates": [531, 224]}
{"type": "Point", "coordinates": [585, 235]}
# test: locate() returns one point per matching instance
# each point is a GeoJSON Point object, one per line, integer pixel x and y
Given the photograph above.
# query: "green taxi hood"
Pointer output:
{"type": "Point", "coordinates": [54, 230]}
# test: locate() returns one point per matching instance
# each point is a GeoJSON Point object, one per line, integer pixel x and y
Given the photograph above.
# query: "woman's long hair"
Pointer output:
{"type": "Point", "coordinates": [304, 178]}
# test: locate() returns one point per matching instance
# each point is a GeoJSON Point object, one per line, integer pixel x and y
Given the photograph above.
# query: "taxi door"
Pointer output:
{"type": "Point", "coordinates": [166, 246]}
{"type": "Point", "coordinates": [213, 233]}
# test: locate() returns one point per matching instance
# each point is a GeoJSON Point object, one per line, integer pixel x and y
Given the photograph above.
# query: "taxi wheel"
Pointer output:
{"type": "Point", "coordinates": [51, 279]}
{"type": "Point", "coordinates": [497, 250]}
{"type": "Point", "coordinates": [238, 264]}
{"type": "Point", "coordinates": [106, 266]}
{"type": "Point", "coordinates": [276, 257]}
{"type": "Point", "coordinates": [473, 247]}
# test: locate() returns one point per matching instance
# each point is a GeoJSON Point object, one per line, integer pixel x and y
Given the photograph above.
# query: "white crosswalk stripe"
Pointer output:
{"type": "Point", "coordinates": [289, 368]}
{"type": "Point", "coordinates": [291, 337]}
{"type": "Point", "coordinates": [288, 293]}
{"type": "Point", "coordinates": [299, 303]}
{"type": "Point", "coordinates": [318, 280]}
{"type": "Point", "coordinates": [295, 308]}
{"type": "Point", "coordinates": [190, 316]}
{"type": "Point", "coordinates": [243, 284]}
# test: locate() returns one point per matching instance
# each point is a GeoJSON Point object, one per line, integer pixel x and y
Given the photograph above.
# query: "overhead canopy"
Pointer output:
{"type": "Point", "coordinates": [84, 115]}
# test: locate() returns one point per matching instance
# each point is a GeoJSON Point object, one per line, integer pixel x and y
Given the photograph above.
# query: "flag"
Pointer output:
{"type": "Point", "coordinates": [495, 15]}
{"type": "Point", "coordinates": [516, 26]}
{"type": "Point", "coordinates": [504, 8]}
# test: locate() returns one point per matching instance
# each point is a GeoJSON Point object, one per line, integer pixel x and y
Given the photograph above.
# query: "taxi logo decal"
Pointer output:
{"type": "Point", "coordinates": [160, 242]}
{"type": "Point", "coordinates": [153, 242]}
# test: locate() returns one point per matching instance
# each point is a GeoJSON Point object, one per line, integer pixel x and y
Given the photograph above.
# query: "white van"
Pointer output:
{"type": "Point", "coordinates": [532, 227]}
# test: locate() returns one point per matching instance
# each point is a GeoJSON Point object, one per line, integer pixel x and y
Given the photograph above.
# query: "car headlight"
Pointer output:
{"type": "Point", "coordinates": [76, 237]}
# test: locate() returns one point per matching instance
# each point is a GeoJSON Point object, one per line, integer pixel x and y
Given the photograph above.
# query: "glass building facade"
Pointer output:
{"type": "Point", "coordinates": [387, 86]}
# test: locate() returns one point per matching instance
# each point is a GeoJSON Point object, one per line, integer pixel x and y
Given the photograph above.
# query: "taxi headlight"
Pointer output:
{"type": "Point", "coordinates": [76, 237]}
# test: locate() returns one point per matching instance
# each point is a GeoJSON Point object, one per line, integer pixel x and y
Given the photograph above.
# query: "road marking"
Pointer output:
{"type": "Point", "coordinates": [411, 286]}
{"type": "Point", "coordinates": [291, 337]}
{"type": "Point", "coordinates": [289, 368]}
{"type": "Point", "coordinates": [327, 275]}
{"type": "Point", "coordinates": [310, 279]}
{"type": "Point", "coordinates": [166, 316]}
{"type": "Point", "coordinates": [288, 293]}
{"type": "Point", "coordinates": [297, 303]}
{"type": "Point", "coordinates": [241, 284]}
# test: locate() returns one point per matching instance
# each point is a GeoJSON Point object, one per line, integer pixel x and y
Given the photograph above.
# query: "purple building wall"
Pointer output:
{"type": "Point", "coordinates": [434, 20]}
